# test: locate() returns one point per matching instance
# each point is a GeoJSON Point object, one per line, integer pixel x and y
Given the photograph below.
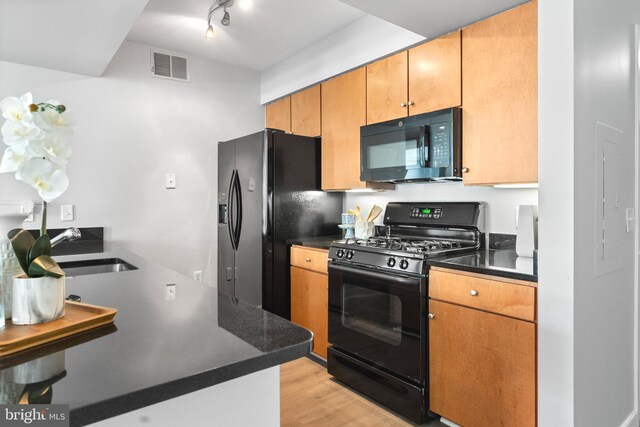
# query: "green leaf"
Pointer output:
{"type": "Point", "coordinates": [42, 246]}
{"type": "Point", "coordinates": [44, 265]}
{"type": "Point", "coordinates": [22, 241]}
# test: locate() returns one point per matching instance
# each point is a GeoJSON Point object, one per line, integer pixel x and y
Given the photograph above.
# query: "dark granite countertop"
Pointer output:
{"type": "Point", "coordinates": [159, 349]}
{"type": "Point", "coordinates": [503, 263]}
{"type": "Point", "coordinates": [322, 242]}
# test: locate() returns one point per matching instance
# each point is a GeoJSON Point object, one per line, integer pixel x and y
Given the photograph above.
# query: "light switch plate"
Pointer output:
{"type": "Point", "coordinates": [171, 291]}
{"type": "Point", "coordinates": [66, 213]}
{"type": "Point", "coordinates": [630, 214]}
{"type": "Point", "coordinates": [170, 181]}
{"type": "Point", "coordinates": [197, 275]}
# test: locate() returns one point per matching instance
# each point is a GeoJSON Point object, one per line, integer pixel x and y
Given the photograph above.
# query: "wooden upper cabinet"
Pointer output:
{"type": "Point", "coordinates": [279, 114]}
{"type": "Point", "coordinates": [435, 80]}
{"type": "Point", "coordinates": [344, 110]}
{"type": "Point", "coordinates": [500, 101]}
{"type": "Point", "coordinates": [387, 82]}
{"type": "Point", "coordinates": [305, 112]}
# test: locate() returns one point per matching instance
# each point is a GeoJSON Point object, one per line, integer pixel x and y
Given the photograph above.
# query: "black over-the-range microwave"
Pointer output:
{"type": "Point", "coordinates": [425, 147]}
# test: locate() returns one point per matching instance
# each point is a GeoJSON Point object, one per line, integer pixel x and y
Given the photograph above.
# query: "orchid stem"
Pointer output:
{"type": "Point", "coordinates": [43, 229]}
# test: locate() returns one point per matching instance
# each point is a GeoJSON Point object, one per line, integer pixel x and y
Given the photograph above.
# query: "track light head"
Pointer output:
{"type": "Point", "coordinates": [226, 19]}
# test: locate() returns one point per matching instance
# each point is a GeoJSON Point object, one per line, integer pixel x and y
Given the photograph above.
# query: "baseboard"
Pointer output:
{"type": "Point", "coordinates": [632, 420]}
{"type": "Point", "coordinates": [319, 360]}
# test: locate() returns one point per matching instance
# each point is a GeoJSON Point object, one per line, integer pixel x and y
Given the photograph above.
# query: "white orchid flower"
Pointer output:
{"type": "Point", "coordinates": [43, 175]}
{"type": "Point", "coordinates": [50, 119]}
{"type": "Point", "coordinates": [16, 132]}
{"type": "Point", "coordinates": [13, 159]}
{"type": "Point", "coordinates": [17, 109]}
{"type": "Point", "coordinates": [54, 147]}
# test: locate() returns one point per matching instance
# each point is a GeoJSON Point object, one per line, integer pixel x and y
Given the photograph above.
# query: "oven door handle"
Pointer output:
{"type": "Point", "coordinates": [414, 282]}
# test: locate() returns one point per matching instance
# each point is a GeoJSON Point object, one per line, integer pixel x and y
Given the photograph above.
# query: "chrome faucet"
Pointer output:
{"type": "Point", "coordinates": [70, 234]}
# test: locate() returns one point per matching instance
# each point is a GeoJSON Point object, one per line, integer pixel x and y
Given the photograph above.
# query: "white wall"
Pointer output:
{"type": "Point", "coordinates": [501, 203]}
{"type": "Point", "coordinates": [604, 55]}
{"type": "Point", "coordinates": [131, 129]}
{"type": "Point", "coordinates": [363, 41]}
{"type": "Point", "coordinates": [556, 214]}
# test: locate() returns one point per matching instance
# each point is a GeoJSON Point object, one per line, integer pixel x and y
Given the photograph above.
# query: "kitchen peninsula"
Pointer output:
{"type": "Point", "coordinates": [194, 357]}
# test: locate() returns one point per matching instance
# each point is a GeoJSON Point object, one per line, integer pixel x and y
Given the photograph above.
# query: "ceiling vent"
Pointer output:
{"type": "Point", "coordinates": [167, 66]}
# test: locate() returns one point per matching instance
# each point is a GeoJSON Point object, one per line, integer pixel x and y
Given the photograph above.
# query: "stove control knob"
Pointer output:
{"type": "Point", "coordinates": [349, 255]}
{"type": "Point", "coordinates": [391, 262]}
{"type": "Point", "coordinates": [404, 264]}
{"type": "Point", "coordinates": [340, 253]}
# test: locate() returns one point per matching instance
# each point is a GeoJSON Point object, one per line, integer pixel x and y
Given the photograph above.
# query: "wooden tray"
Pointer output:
{"type": "Point", "coordinates": [79, 317]}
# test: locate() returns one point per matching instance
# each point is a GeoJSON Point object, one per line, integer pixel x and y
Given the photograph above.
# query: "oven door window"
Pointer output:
{"type": "Point", "coordinates": [372, 313]}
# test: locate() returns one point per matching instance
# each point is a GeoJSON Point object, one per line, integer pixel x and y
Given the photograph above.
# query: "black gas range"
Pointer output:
{"type": "Point", "coordinates": [378, 331]}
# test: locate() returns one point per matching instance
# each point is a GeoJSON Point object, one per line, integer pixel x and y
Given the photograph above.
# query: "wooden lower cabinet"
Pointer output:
{"type": "Point", "coordinates": [482, 367]}
{"type": "Point", "coordinates": [309, 305]}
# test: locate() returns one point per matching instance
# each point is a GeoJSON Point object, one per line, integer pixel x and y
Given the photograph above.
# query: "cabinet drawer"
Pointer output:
{"type": "Point", "coordinates": [310, 259]}
{"type": "Point", "coordinates": [481, 292]}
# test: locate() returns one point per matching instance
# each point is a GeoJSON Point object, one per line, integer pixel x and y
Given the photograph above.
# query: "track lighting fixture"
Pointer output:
{"type": "Point", "coordinates": [226, 18]}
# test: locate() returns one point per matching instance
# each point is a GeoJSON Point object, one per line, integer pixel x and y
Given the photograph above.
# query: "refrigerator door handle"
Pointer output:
{"type": "Point", "coordinates": [238, 224]}
{"type": "Point", "coordinates": [232, 209]}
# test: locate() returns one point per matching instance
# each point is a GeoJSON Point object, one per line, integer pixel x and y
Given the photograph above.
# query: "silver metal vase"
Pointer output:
{"type": "Point", "coordinates": [37, 300]}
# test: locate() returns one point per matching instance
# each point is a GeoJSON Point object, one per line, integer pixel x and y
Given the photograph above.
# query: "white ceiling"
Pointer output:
{"type": "Point", "coordinates": [79, 36]}
{"type": "Point", "coordinates": [431, 18]}
{"type": "Point", "coordinates": [267, 33]}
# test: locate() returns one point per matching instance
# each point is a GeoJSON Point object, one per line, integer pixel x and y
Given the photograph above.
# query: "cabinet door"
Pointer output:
{"type": "Point", "coordinates": [319, 311]}
{"type": "Point", "coordinates": [310, 305]}
{"type": "Point", "coordinates": [435, 74]}
{"type": "Point", "coordinates": [300, 298]}
{"type": "Point", "coordinates": [279, 114]}
{"type": "Point", "coordinates": [500, 104]}
{"type": "Point", "coordinates": [482, 367]}
{"type": "Point", "coordinates": [305, 112]}
{"type": "Point", "coordinates": [387, 88]}
{"type": "Point", "coordinates": [344, 110]}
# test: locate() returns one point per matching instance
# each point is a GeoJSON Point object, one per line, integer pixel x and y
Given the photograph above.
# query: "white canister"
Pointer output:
{"type": "Point", "coordinates": [365, 229]}
{"type": "Point", "coordinates": [37, 300]}
{"type": "Point", "coordinates": [527, 237]}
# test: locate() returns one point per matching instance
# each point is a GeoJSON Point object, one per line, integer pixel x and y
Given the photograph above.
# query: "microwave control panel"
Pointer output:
{"type": "Point", "coordinates": [425, 212]}
{"type": "Point", "coordinates": [440, 145]}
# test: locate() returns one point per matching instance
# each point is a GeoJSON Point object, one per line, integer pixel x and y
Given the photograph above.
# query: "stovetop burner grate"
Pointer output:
{"type": "Point", "coordinates": [410, 245]}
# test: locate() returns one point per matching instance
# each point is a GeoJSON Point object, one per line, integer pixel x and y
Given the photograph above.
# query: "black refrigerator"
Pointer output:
{"type": "Point", "coordinates": [268, 193]}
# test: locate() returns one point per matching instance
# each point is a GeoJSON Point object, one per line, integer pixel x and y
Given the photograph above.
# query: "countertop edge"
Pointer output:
{"type": "Point", "coordinates": [485, 271]}
{"type": "Point", "coordinates": [142, 398]}
{"type": "Point", "coordinates": [320, 242]}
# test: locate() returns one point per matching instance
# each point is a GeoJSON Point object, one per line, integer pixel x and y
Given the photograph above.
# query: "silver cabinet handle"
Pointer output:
{"type": "Point", "coordinates": [402, 104]}
{"type": "Point", "coordinates": [410, 103]}
{"type": "Point", "coordinates": [465, 170]}
{"type": "Point", "coordinates": [431, 315]}
{"type": "Point", "coordinates": [473, 293]}
{"type": "Point", "coordinates": [307, 259]}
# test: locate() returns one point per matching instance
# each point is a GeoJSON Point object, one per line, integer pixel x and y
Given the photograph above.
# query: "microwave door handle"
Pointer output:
{"type": "Point", "coordinates": [425, 160]}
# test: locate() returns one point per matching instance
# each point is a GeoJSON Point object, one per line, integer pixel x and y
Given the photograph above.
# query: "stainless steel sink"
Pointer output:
{"type": "Point", "coordinates": [96, 266]}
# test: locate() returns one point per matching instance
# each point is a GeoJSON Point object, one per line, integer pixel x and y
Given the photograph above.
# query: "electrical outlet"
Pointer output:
{"type": "Point", "coordinates": [170, 181]}
{"type": "Point", "coordinates": [197, 275]}
{"type": "Point", "coordinates": [28, 208]}
{"type": "Point", "coordinates": [66, 213]}
{"type": "Point", "coordinates": [171, 291]}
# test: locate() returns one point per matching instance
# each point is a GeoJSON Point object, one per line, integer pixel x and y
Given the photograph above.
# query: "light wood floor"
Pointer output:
{"type": "Point", "coordinates": [310, 397]}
